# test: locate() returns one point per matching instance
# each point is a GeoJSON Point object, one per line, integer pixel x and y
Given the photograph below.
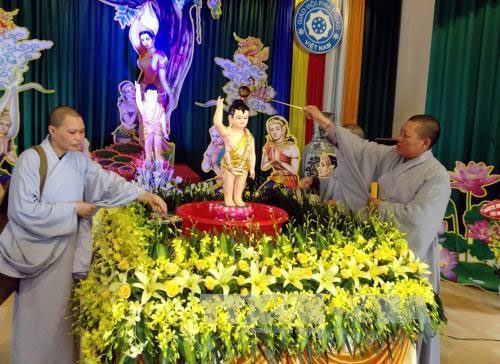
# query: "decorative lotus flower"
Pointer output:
{"type": "Point", "coordinates": [473, 178]}
{"type": "Point", "coordinates": [479, 230]}
{"type": "Point", "coordinates": [448, 260]}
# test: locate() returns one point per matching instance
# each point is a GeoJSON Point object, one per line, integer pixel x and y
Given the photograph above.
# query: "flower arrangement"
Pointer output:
{"type": "Point", "coordinates": [156, 177]}
{"type": "Point", "coordinates": [334, 281]}
{"type": "Point", "coordinates": [471, 252]}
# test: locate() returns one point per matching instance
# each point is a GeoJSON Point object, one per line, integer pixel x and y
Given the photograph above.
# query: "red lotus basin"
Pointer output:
{"type": "Point", "coordinates": [127, 172]}
{"type": "Point", "coordinates": [204, 216]}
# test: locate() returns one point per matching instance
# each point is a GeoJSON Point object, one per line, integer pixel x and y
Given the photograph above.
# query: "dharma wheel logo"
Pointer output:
{"type": "Point", "coordinates": [318, 25]}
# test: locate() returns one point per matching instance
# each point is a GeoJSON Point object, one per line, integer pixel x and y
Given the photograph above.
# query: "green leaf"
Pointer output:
{"type": "Point", "coordinates": [473, 215]}
{"type": "Point", "coordinates": [223, 243]}
{"type": "Point", "coordinates": [147, 357]}
{"type": "Point", "coordinates": [187, 349]}
{"type": "Point", "coordinates": [268, 249]}
{"type": "Point", "coordinates": [299, 237]}
{"type": "Point", "coordinates": [451, 209]}
{"type": "Point", "coordinates": [481, 250]}
{"type": "Point", "coordinates": [477, 274]}
{"type": "Point", "coordinates": [161, 250]}
{"type": "Point", "coordinates": [454, 242]}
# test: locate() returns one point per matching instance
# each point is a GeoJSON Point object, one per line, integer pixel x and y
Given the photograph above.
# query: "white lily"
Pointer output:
{"type": "Point", "coordinates": [223, 275]}
{"type": "Point", "coordinates": [326, 278]}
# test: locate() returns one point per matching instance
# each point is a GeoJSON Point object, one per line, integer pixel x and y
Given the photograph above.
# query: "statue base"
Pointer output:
{"type": "Point", "coordinates": [213, 216]}
{"type": "Point", "coordinates": [224, 212]}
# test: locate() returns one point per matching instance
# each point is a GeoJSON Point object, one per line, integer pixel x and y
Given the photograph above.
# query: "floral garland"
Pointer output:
{"type": "Point", "coordinates": [335, 281]}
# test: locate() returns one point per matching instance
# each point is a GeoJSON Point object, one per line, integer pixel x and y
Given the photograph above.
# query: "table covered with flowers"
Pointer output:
{"type": "Point", "coordinates": [331, 287]}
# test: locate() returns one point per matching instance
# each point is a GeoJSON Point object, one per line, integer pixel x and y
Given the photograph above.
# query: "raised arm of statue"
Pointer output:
{"type": "Point", "coordinates": [218, 124]}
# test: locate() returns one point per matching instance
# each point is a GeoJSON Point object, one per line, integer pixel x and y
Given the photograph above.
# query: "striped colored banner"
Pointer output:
{"type": "Point", "coordinates": [333, 79]}
{"type": "Point", "coordinates": [300, 60]}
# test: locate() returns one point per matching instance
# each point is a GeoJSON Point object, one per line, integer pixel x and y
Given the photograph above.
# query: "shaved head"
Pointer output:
{"type": "Point", "coordinates": [57, 115]}
{"type": "Point", "coordinates": [428, 127]}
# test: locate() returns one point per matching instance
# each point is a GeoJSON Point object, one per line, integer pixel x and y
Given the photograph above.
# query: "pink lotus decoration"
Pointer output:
{"type": "Point", "coordinates": [473, 178]}
{"type": "Point", "coordinates": [447, 261]}
{"type": "Point", "coordinates": [479, 230]}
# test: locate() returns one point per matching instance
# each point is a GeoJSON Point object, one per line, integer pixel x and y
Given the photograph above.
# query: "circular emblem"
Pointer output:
{"type": "Point", "coordinates": [318, 25]}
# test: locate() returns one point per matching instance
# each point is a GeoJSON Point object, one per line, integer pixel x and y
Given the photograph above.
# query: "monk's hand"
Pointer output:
{"type": "Point", "coordinates": [305, 182]}
{"type": "Point", "coordinates": [85, 209]}
{"type": "Point", "coordinates": [252, 173]}
{"type": "Point", "coordinates": [154, 201]}
{"type": "Point", "coordinates": [331, 203]}
{"type": "Point", "coordinates": [312, 111]}
{"type": "Point", "coordinates": [373, 203]}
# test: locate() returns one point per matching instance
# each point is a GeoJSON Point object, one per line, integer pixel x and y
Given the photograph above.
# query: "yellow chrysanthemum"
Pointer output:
{"type": "Point", "coordinates": [384, 252]}
{"type": "Point", "coordinates": [172, 288]}
{"type": "Point", "coordinates": [302, 258]}
{"type": "Point", "coordinates": [171, 268]}
{"type": "Point", "coordinates": [123, 265]}
{"type": "Point", "coordinates": [201, 264]}
{"type": "Point", "coordinates": [243, 266]}
{"type": "Point", "coordinates": [124, 291]}
{"type": "Point", "coordinates": [241, 280]}
{"type": "Point", "coordinates": [268, 261]}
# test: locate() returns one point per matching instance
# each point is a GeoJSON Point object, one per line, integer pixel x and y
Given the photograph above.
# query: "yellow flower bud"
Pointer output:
{"type": "Point", "coordinates": [325, 253]}
{"type": "Point", "coordinates": [302, 258]}
{"type": "Point", "coordinates": [117, 257]}
{"type": "Point", "coordinates": [244, 292]}
{"type": "Point", "coordinates": [123, 265]}
{"type": "Point", "coordinates": [210, 283]}
{"type": "Point", "coordinates": [243, 266]}
{"type": "Point", "coordinates": [172, 288]}
{"type": "Point", "coordinates": [200, 264]}
{"type": "Point", "coordinates": [268, 261]}
{"type": "Point", "coordinates": [241, 280]}
{"type": "Point", "coordinates": [177, 241]}
{"type": "Point", "coordinates": [276, 272]}
{"type": "Point", "coordinates": [171, 268]}
{"type": "Point", "coordinates": [124, 291]}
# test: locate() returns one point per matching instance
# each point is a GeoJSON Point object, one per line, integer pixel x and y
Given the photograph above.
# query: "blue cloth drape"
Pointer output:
{"type": "Point", "coordinates": [281, 58]}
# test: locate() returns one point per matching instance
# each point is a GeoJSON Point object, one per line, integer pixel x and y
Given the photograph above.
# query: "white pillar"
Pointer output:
{"type": "Point", "coordinates": [413, 60]}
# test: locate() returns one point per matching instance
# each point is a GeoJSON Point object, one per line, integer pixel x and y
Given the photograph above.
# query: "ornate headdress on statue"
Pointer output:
{"type": "Point", "coordinates": [280, 120]}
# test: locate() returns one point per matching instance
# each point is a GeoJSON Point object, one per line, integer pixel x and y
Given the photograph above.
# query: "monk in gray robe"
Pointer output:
{"type": "Point", "coordinates": [327, 186]}
{"type": "Point", "coordinates": [38, 244]}
{"type": "Point", "coordinates": [413, 186]}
